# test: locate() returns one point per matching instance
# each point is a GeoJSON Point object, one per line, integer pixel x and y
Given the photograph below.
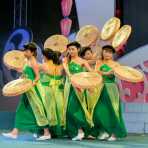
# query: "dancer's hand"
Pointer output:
{"type": "Point", "coordinates": [100, 72]}
{"type": "Point", "coordinates": [18, 69]}
{"type": "Point", "coordinates": [77, 87]}
{"type": "Point", "coordinates": [108, 73]}
{"type": "Point", "coordinates": [34, 82]}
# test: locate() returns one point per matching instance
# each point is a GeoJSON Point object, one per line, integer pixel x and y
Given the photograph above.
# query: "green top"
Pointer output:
{"type": "Point", "coordinates": [28, 72]}
{"type": "Point", "coordinates": [109, 78]}
{"type": "Point", "coordinates": [75, 68]}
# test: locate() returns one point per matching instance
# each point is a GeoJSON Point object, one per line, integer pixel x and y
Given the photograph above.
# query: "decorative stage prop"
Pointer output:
{"type": "Point", "coordinates": [83, 79]}
{"type": "Point", "coordinates": [57, 43]}
{"type": "Point", "coordinates": [121, 36]}
{"type": "Point", "coordinates": [115, 35]}
{"type": "Point", "coordinates": [66, 26]}
{"type": "Point", "coordinates": [14, 59]}
{"type": "Point", "coordinates": [111, 33]}
{"type": "Point", "coordinates": [17, 87]}
{"type": "Point", "coordinates": [66, 22]}
{"type": "Point", "coordinates": [87, 35]}
{"type": "Point", "coordinates": [110, 28]}
{"type": "Point", "coordinates": [128, 74]}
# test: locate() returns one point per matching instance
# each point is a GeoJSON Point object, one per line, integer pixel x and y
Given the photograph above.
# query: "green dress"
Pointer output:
{"type": "Point", "coordinates": [30, 113]}
{"type": "Point", "coordinates": [55, 102]}
{"type": "Point", "coordinates": [77, 115]}
{"type": "Point", "coordinates": [108, 114]}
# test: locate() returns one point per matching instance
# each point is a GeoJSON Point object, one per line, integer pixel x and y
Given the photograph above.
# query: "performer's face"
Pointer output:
{"type": "Point", "coordinates": [27, 53]}
{"type": "Point", "coordinates": [107, 55]}
{"type": "Point", "coordinates": [73, 51]}
{"type": "Point", "coordinates": [88, 55]}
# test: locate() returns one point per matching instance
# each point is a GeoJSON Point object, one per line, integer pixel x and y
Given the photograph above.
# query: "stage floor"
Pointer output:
{"type": "Point", "coordinates": [27, 141]}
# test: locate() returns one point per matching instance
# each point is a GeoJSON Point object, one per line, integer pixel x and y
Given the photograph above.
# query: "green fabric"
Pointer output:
{"type": "Point", "coordinates": [106, 68]}
{"type": "Point", "coordinates": [76, 105]}
{"type": "Point", "coordinates": [75, 117]}
{"type": "Point", "coordinates": [54, 105]}
{"type": "Point", "coordinates": [75, 68]}
{"type": "Point", "coordinates": [93, 95]}
{"type": "Point", "coordinates": [25, 119]}
{"type": "Point", "coordinates": [108, 113]}
{"type": "Point", "coordinates": [30, 114]}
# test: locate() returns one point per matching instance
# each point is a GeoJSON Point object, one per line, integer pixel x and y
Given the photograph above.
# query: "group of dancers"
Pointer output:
{"type": "Point", "coordinates": [56, 107]}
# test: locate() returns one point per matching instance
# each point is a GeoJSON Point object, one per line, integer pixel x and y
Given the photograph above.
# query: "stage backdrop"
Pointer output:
{"type": "Point", "coordinates": [136, 111]}
{"type": "Point", "coordinates": [135, 12]}
{"type": "Point", "coordinates": [94, 12]}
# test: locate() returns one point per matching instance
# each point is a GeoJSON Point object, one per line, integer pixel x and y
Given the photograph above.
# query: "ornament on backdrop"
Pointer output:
{"type": "Point", "coordinates": [66, 22]}
{"type": "Point", "coordinates": [66, 7]}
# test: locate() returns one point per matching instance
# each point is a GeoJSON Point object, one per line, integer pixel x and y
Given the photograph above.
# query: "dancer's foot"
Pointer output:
{"type": "Point", "coordinates": [103, 136]}
{"type": "Point", "coordinates": [35, 135]}
{"type": "Point", "coordinates": [91, 137]}
{"type": "Point", "coordinates": [10, 135]}
{"type": "Point", "coordinates": [79, 137]}
{"type": "Point", "coordinates": [112, 138]}
{"type": "Point", "coordinates": [44, 137]}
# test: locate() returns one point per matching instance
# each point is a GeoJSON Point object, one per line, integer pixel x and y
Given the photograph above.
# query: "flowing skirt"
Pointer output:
{"type": "Point", "coordinates": [30, 113]}
{"type": "Point", "coordinates": [108, 114]}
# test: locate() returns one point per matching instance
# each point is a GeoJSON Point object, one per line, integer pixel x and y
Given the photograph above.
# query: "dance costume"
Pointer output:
{"type": "Point", "coordinates": [30, 113]}
{"type": "Point", "coordinates": [108, 114]}
{"type": "Point", "coordinates": [55, 102]}
{"type": "Point", "coordinates": [77, 115]}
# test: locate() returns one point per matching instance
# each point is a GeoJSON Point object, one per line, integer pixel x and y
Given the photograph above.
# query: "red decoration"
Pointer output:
{"type": "Point", "coordinates": [121, 49]}
{"type": "Point", "coordinates": [66, 22]}
{"type": "Point", "coordinates": [118, 13]}
{"type": "Point", "coordinates": [66, 7]}
{"type": "Point", "coordinates": [66, 26]}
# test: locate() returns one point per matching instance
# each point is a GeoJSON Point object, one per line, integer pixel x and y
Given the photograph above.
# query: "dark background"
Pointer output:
{"type": "Point", "coordinates": [43, 18]}
{"type": "Point", "coordinates": [135, 12]}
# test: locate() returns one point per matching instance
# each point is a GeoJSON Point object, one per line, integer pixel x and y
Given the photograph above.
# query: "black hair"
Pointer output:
{"type": "Point", "coordinates": [108, 48]}
{"type": "Point", "coordinates": [56, 59]}
{"type": "Point", "coordinates": [48, 53]}
{"type": "Point", "coordinates": [32, 47]}
{"type": "Point", "coordinates": [84, 50]}
{"type": "Point", "coordinates": [75, 43]}
{"type": "Point", "coordinates": [52, 55]}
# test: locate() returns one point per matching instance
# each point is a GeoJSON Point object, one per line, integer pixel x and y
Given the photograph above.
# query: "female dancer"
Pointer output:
{"type": "Point", "coordinates": [107, 114]}
{"type": "Point", "coordinates": [77, 115]}
{"type": "Point", "coordinates": [87, 54]}
{"type": "Point", "coordinates": [30, 113]}
{"type": "Point", "coordinates": [52, 80]}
